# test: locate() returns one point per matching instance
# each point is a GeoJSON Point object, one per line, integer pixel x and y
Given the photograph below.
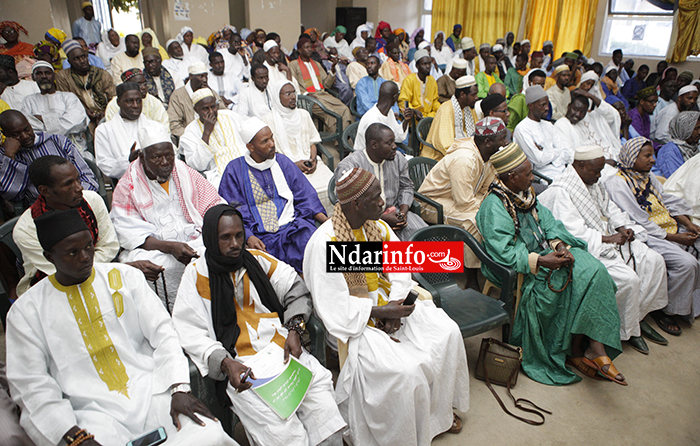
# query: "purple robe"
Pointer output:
{"type": "Point", "coordinates": [642, 124]}
{"type": "Point", "coordinates": [289, 241]}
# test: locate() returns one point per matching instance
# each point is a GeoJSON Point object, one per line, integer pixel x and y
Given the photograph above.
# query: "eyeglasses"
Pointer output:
{"type": "Point", "coordinates": [289, 94]}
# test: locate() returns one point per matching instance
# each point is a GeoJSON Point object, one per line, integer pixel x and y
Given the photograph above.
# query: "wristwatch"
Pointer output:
{"type": "Point", "coordinates": [182, 387]}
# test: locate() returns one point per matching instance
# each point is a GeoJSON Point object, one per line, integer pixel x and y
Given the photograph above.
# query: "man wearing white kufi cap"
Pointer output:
{"type": "Point", "coordinates": [589, 120]}
{"type": "Point", "coordinates": [277, 71]}
{"type": "Point", "coordinates": [181, 108]}
{"type": "Point", "coordinates": [54, 111]}
{"type": "Point", "coordinates": [687, 97]}
{"type": "Point", "coordinates": [213, 139]}
{"type": "Point", "coordinates": [466, 52]}
{"type": "Point", "coordinates": [581, 202]}
{"type": "Point", "coordinates": [535, 136]}
{"type": "Point", "coordinates": [278, 204]}
{"type": "Point", "coordinates": [446, 83]}
{"type": "Point", "coordinates": [454, 119]}
{"type": "Point", "coordinates": [116, 141]}
{"type": "Point", "coordinates": [157, 210]}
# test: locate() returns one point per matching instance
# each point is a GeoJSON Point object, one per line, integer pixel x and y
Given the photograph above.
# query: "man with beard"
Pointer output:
{"type": "Point", "coordinates": [131, 58]}
{"type": "Point", "coordinates": [181, 108]}
{"type": "Point", "coordinates": [161, 83]}
{"type": "Point", "coordinates": [158, 208]}
{"type": "Point", "coordinates": [54, 111]}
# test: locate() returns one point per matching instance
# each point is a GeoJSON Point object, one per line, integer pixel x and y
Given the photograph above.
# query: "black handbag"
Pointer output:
{"type": "Point", "coordinates": [499, 363]}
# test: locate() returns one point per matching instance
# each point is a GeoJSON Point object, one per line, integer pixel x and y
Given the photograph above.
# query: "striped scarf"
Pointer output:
{"type": "Point", "coordinates": [308, 82]}
{"type": "Point", "coordinates": [514, 203]}
{"type": "Point", "coordinates": [166, 82]}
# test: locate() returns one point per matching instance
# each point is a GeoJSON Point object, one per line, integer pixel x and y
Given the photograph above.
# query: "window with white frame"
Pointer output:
{"type": "Point", "coordinates": [638, 27]}
{"type": "Point", "coordinates": [426, 19]}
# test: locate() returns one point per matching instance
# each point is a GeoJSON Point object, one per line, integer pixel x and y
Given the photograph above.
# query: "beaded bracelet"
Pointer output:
{"type": "Point", "coordinates": [68, 439]}
{"type": "Point", "coordinates": [296, 324]}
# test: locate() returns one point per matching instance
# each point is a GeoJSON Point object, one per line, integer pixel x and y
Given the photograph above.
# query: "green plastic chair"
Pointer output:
{"type": "Point", "coordinates": [422, 130]}
{"type": "Point", "coordinates": [332, 196]}
{"type": "Point", "coordinates": [325, 153]}
{"type": "Point", "coordinates": [473, 311]}
{"type": "Point", "coordinates": [101, 188]}
{"type": "Point", "coordinates": [348, 140]}
{"type": "Point", "coordinates": [353, 108]}
{"type": "Point", "coordinates": [307, 103]}
{"type": "Point", "coordinates": [418, 168]}
{"type": "Point", "coordinates": [544, 178]}
{"type": "Point", "coordinates": [6, 238]}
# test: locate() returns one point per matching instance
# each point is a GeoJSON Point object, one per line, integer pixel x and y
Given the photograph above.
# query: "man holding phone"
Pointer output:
{"type": "Point", "coordinates": [407, 360]}
{"type": "Point", "coordinates": [232, 304]}
{"type": "Point", "coordinates": [92, 355]}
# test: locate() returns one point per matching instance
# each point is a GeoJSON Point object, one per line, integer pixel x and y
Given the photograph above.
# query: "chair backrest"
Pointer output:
{"type": "Point", "coordinates": [6, 237]}
{"type": "Point", "coordinates": [422, 130]}
{"type": "Point", "coordinates": [506, 275]}
{"type": "Point", "coordinates": [332, 197]}
{"type": "Point", "coordinates": [304, 102]}
{"type": "Point", "coordinates": [101, 188]}
{"type": "Point", "coordinates": [418, 168]}
{"type": "Point", "coordinates": [349, 135]}
{"type": "Point", "coordinates": [440, 233]}
{"type": "Point", "coordinates": [353, 108]}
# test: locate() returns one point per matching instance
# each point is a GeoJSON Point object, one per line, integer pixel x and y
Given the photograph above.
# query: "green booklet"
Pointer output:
{"type": "Point", "coordinates": [281, 386]}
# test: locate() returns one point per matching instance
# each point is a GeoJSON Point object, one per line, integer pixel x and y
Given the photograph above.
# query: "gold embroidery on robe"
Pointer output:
{"type": "Point", "coordinates": [103, 354]}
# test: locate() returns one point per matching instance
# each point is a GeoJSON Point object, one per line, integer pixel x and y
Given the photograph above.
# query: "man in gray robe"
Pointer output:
{"type": "Point", "coordinates": [391, 168]}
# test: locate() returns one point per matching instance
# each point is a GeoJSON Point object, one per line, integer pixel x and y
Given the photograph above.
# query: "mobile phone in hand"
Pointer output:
{"type": "Point", "coordinates": [411, 298]}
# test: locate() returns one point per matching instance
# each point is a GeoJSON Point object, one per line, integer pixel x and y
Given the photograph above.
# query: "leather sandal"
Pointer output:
{"type": "Point", "coordinates": [612, 372]}
{"type": "Point", "coordinates": [664, 321]}
{"type": "Point", "coordinates": [456, 425]}
{"type": "Point", "coordinates": [582, 367]}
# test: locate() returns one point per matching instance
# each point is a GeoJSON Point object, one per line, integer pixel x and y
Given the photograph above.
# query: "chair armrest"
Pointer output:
{"type": "Point", "coordinates": [433, 203]}
{"type": "Point", "coordinates": [404, 147]}
{"type": "Point", "coordinates": [424, 283]}
{"type": "Point", "coordinates": [542, 177]}
{"type": "Point", "coordinates": [507, 275]}
{"type": "Point", "coordinates": [321, 149]}
{"type": "Point", "coordinates": [333, 92]}
{"type": "Point", "coordinates": [317, 333]}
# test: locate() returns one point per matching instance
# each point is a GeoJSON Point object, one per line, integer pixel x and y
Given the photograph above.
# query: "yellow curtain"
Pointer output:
{"type": "Point", "coordinates": [570, 24]}
{"type": "Point", "coordinates": [482, 20]}
{"type": "Point", "coordinates": [685, 39]}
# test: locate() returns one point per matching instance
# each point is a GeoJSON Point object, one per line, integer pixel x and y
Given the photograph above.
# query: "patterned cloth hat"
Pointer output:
{"type": "Point", "coordinates": [508, 158]}
{"type": "Point", "coordinates": [490, 125]}
{"type": "Point", "coordinates": [70, 45]}
{"type": "Point", "coordinates": [131, 73]}
{"type": "Point", "coordinates": [646, 92]}
{"type": "Point", "coordinates": [201, 94]}
{"type": "Point", "coordinates": [352, 184]}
